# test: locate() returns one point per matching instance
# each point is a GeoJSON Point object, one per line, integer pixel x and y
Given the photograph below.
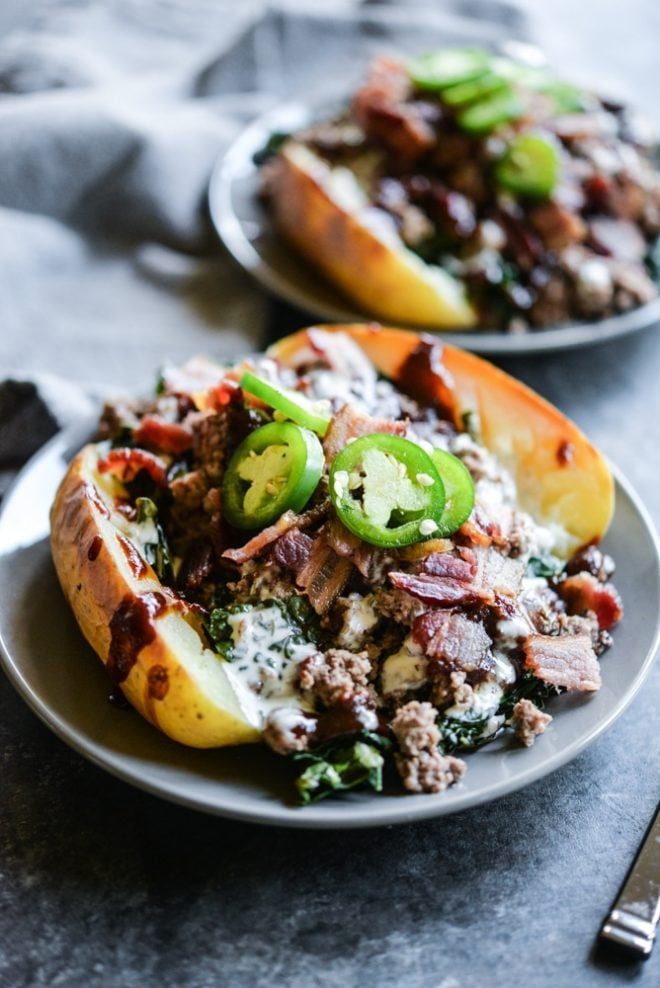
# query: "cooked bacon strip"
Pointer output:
{"type": "Point", "coordinates": [349, 424]}
{"type": "Point", "coordinates": [458, 642]}
{"type": "Point", "coordinates": [380, 106]}
{"type": "Point", "coordinates": [479, 576]}
{"type": "Point", "coordinates": [288, 520]}
{"type": "Point", "coordinates": [364, 557]}
{"type": "Point", "coordinates": [582, 592]}
{"type": "Point", "coordinates": [166, 437]}
{"type": "Point", "coordinates": [126, 463]}
{"type": "Point", "coordinates": [495, 574]}
{"type": "Point", "coordinates": [568, 662]}
{"type": "Point", "coordinates": [480, 531]}
{"type": "Point", "coordinates": [292, 550]}
{"type": "Point", "coordinates": [444, 564]}
{"type": "Point", "coordinates": [324, 576]}
{"type": "Point", "coordinates": [259, 542]}
{"type": "Point", "coordinates": [443, 591]}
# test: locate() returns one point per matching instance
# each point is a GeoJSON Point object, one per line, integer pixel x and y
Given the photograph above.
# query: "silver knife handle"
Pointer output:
{"type": "Point", "coordinates": [633, 919]}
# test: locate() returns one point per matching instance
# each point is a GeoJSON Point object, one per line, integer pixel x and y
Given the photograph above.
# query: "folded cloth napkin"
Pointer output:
{"type": "Point", "coordinates": [110, 121]}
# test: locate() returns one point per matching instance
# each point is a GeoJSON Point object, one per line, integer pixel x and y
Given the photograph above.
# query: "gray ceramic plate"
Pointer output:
{"type": "Point", "coordinates": [57, 674]}
{"type": "Point", "coordinates": [246, 229]}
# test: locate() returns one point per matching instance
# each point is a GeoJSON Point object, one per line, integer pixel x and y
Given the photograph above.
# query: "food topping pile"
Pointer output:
{"type": "Point", "coordinates": [540, 197]}
{"type": "Point", "coordinates": [359, 561]}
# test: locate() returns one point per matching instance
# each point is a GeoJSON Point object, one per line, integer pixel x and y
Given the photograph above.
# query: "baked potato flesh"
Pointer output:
{"type": "Point", "coordinates": [148, 640]}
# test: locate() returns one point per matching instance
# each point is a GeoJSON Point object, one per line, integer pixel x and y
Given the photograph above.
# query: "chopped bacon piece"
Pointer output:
{"type": "Point", "coordinates": [480, 531]}
{"type": "Point", "coordinates": [126, 463]}
{"type": "Point", "coordinates": [292, 550]}
{"type": "Point", "coordinates": [196, 567]}
{"type": "Point", "coordinates": [324, 576]}
{"type": "Point", "coordinates": [166, 437]}
{"type": "Point", "coordinates": [557, 226]}
{"type": "Point", "coordinates": [592, 560]}
{"type": "Point", "coordinates": [366, 558]}
{"type": "Point", "coordinates": [568, 662]}
{"type": "Point", "coordinates": [484, 578]}
{"type": "Point", "coordinates": [443, 591]}
{"type": "Point", "coordinates": [458, 642]}
{"type": "Point", "coordinates": [198, 374]}
{"type": "Point", "coordinates": [444, 564]}
{"type": "Point", "coordinates": [381, 108]}
{"type": "Point", "coordinates": [259, 542]}
{"type": "Point", "coordinates": [495, 574]}
{"type": "Point", "coordinates": [256, 545]}
{"type": "Point", "coordinates": [582, 592]}
{"type": "Point", "coordinates": [350, 424]}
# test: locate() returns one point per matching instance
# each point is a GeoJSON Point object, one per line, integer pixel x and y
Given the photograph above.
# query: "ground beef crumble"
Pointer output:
{"type": "Point", "coordinates": [528, 721]}
{"type": "Point", "coordinates": [336, 676]}
{"type": "Point", "coordinates": [419, 762]}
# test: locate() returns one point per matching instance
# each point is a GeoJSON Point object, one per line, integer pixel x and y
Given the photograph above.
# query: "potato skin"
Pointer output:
{"type": "Point", "coordinates": [561, 477]}
{"type": "Point", "coordinates": [391, 284]}
{"type": "Point", "coordinates": [174, 682]}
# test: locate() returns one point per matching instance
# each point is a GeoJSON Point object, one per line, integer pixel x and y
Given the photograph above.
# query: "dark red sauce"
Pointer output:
{"type": "Point", "coordinates": [94, 548]}
{"type": "Point", "coordinates": [137, 564]}
{"type": "Point", "coordinates": [131, 629]}
{"type": "Point", "coordinates": [424, 377]}
{"type": "Point", "coordinates": [95, 498]}
{"type": "Point", "coordinates": [565, 453]}
{"type": "Point", "coordinates": [158, 682]}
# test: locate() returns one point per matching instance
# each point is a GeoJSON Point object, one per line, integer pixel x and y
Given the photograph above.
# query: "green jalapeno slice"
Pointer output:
{"type": "Point", "coordinates": [291, 404]}
{"type": "Point", "coordinates": [275, 469]}
{"type": "Point", "coordinates": [530, 166]}
{"type": "Point", "coordinates": [459, 490]}
{"type": "Point", "coordinates": [387, 490]}
{"type": "Point", "coordinates": [435, 70]}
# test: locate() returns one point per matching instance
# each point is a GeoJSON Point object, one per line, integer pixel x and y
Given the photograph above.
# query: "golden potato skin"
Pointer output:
{"type": "Point", "coordinates": [390, 284]}
{"type": "Point", "coordinates": [174, 682]}
{"type": "Point", "coordinates": [561, 477]}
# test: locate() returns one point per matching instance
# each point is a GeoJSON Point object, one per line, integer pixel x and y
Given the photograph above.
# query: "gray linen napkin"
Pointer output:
{"type": "Point", "coordinates": [111, 119]}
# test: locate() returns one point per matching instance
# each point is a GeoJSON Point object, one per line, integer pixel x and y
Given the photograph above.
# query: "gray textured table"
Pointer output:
{"type": "Point", "coordinates": [101, 885]}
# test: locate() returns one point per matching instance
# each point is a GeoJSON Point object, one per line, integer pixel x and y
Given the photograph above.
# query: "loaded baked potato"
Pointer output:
{"type": "Point", "coordinates": [362, 546]}
{"type": "Point", "coordinates": [462, 189]}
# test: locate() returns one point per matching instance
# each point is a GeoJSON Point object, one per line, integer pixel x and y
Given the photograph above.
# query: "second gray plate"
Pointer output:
{"type": "Point", "coordinates": [245, 227]}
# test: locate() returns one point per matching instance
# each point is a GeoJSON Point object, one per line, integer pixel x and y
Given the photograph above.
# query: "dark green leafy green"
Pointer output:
{"type": "Point", "coordinates": [545, 566]}
{"type": "Point", "coordinates": [156, 553]}
{"type": "Point", "coordinates": [271, 147]}
{"type": "Point", "coordinates": [338, 766]}
{"type": "Point", "coordinates": [529, 687]}
{"type": "Point", "coordinates": [467, 734]}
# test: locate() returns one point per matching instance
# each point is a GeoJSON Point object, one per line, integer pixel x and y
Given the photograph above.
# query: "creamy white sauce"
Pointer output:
{"type": "Point", "coordinates": [359, 618]}
{"type": "Point", "coordinates": [405, 669]}
{"type": "Point", "coordinates": [266, 654]}
{"type": "Point", "coordinates": [483, 702]}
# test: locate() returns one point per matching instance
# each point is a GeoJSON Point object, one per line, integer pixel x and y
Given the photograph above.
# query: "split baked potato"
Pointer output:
{"type": "Point", "coordinates": [153, 642]}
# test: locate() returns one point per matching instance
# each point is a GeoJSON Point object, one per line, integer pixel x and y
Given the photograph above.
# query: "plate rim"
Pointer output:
{"type": "Point", "coordinates": [274, 813]}
{"type": "Point", "coordinates": [232, 164]}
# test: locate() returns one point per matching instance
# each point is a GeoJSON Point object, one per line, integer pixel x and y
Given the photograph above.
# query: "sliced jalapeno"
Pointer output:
{"type": "Point", "coordinates": [487, 114]}
{"type": "Point", "coordinates": [530, 166]}
{"type": "Point", "coordinates": [277, 468]}
{"type": "Point", "coordinates": [387, 490]}
{"type": "Point", "coordinates": [289, 403]}
{"type": "Point", "coordinates": [459, 491]}
{"type": "Point", "coordinates": [435, 70]}
{"type": "Point", "coordinates": [476, 89]}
